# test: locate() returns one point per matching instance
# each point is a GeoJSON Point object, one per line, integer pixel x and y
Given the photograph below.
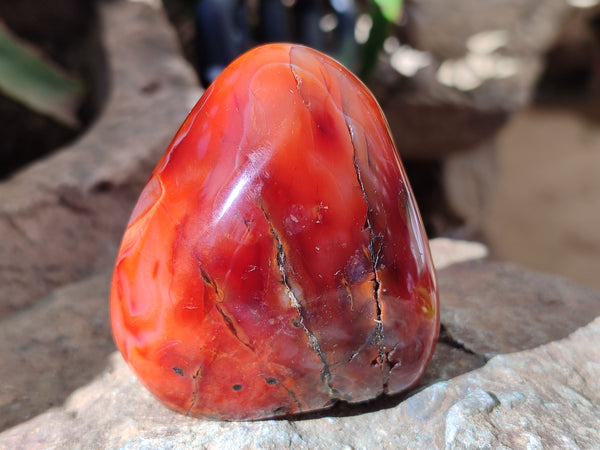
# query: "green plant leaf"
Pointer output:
{"type": "Point", "coordinates": [380, 30]}
{"type": "Point", "coordinates": [390, 9]}
{"type": "Point", "coordinates": [42, 86]}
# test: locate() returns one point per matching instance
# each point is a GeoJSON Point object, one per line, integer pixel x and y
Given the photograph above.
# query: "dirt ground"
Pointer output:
{"type": "Point", "coordinates": [545, 210]}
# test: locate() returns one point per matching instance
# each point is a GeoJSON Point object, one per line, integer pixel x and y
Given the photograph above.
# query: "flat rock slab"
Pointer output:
{"type": "Point", "coordinates": [492, 307]}
{"type": "Point", "coordinates": [53, 348]}
{"type": "Point", "coordinates": [545, 396]}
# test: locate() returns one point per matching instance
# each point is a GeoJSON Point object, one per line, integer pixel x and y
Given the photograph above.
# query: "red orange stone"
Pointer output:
{"type": "Point", "coordinates": [276, 262]}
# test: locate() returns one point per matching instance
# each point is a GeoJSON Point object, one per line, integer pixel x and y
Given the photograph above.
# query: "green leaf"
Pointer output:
{"type": "Point", "coordinates": [380, 30]}
{"type": "Point", "coordinates": [42, 86]}
{"type": "Point", "coordinates": [390, 9]}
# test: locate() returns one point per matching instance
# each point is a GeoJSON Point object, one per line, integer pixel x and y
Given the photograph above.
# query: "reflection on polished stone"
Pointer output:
{"type": "Point", "coordinates": [276, 261]}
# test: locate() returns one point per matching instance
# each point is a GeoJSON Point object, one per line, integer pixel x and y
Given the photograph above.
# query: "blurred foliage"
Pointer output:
{"type": "Point", "coordinates": [380, 12]}
{"type": "Point", "coordinates": [390, 9]}
{"type": "Point", "coordinates": [29, 79]}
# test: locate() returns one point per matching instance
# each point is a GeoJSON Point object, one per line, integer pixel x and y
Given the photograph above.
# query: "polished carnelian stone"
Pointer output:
{"type": "Point", "coordinates": [275, 261]}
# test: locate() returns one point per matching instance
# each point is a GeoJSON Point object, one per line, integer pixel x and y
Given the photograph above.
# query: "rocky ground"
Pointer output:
{"type": "Point", "coordinates": [517, 364]}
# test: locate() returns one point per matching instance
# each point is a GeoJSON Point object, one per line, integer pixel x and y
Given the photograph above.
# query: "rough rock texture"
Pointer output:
{"type": "Point", "coordinates": [52, 348]}
{"type": "Point", "coordinates": [478, 62]}
{"type": "Point", "coordinates": [545, 396]}
{"type": "Point", "coordinates": [492, 307]}
{"type": "Point", "coordinates": [61, 219]}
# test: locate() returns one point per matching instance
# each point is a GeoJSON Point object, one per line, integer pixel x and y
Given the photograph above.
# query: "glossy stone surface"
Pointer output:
{"type": "Point", "coordinates": [276, 261]}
